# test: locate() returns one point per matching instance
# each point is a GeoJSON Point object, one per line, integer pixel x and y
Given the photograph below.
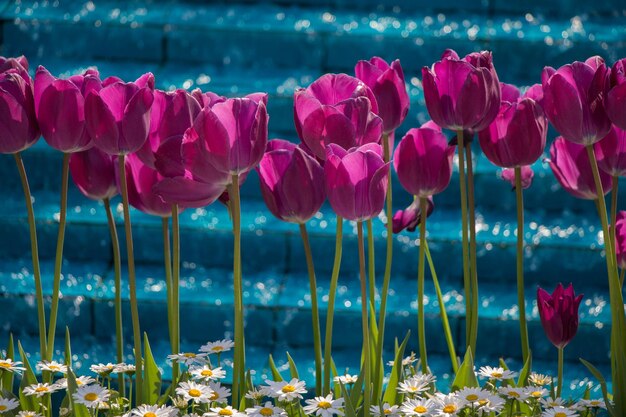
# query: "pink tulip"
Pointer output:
{"type": "Point", "coordinates": [141, 179]}
{"type": "Point", "coordinates": [339, 109]}
{"type": "Point", "coordinates": [423, 161]}
{"type": "Point", "coordinates": [462, 93]}
{"type": "Point", "coordinates": [620, 239]}
{"type": "Point", "coordinates": [535, 92]}
{"type": "Point", "coordinates": [208, 98]}
{"type": "Point", "coordinates": [615, 100]}
{"type": "Point", "coordinates": [387, 83]}
{"type": "Point", "coordinates": [356, 181]}
{"type": "Point", "coordinates": [570, 164]}
{"type": "Point", "coordinates": [118, 116]}
{"type": "Point", "coordinates": [559, 314]}
{"type": "Point", "coordinates": [20, 64]}
{"type": "Point", "coordinates": [411, 217]}
{"type": "Point", "coordinates": [611, 152]}
{"type": "Point", "coordinates": [573, 100]}
{"type": "Point", "coordinates": [292, 182]}
{"type": "Point", "coordinates": [508, 174]}
{"type": "Point", "coordinates": [509, 92]}
{"type": "Point", "coordinates": [18, 123]}
{"type": "Point", "coordinates": [93, 172]}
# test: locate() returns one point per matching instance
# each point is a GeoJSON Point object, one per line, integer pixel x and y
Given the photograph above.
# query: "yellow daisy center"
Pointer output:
{"type": "Point", "coordinates": [266, 411]}
{"type": "Point", "coordinates": [217, 348]}
{"type": "Point", "coordinates": [53, 367]}
{"type": "Point", "coordinates": [79, 382]}
{"type": "Point", "coordinates": [41, 389]}
{"type": "Point", "coordinates": [560, 414]}
{"type": "Point", "coordinates": [496, 374]}
{"type": "Point", "coordinates": [535, 394]}
{"type": "Point", "coordinates": [323, 404]}
{"type": "Point", "coordinates": [483, 402]}
{"type": "Point", "coordinates": [471, 397]}
{"type": "Point", "coordinates": [386, 411]}
{"type": "Point", "coordinates": [420, 409]}
{"type": "Point", "coordinates": [150, 414]}
{"type": "Point", "coordinates": [3, 407]}
{"type": "Point", "coordinates": [194, 393]}
{"type": "Point", "coordinates": [5, 365]}
{"type": "Point", "coordinates": [450, 408]}
{"type": "Point", "coordinates": [214, 396]}
{"type": "Point", "coordinates": [594, 403]}
{"type": "Point", "coordinates": [206, 372]}
{"type": "Point", "coordinates": [288, 388]}
{"type": "Point", "coordinates": [189, 355]}
{"type": "Point", "coordinates": [91, 396]}
{"type": "Point", "coordinates": [513, 394]}
{"type": "Point", "coordinates": [225, 412]}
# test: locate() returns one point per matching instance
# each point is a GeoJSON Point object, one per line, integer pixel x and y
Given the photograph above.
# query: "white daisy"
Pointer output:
{"type": "Point", "coordinates": [536, 393]}
{"type": "Point", "coordinates": [559, 412]}
{"type": "Point", "coordinates": [324, 406]}
{"type": "Point", "coordinates": [220, 394]}
{"type": "Point", "coordinates": [188, 358]}
{"type": "Point", "coordinates": [386, 410]}
{"type": "Point", "coordinates": [595, 403]}
{"type": "Point", "coordinates": [412, 386]}
{"type": "Point", "coordinates": [448, 405]}
{"type": "Point", "coordinates": [346, 379]}
{"type": "Point", "coordinates": [492, 403]}
{"type": "Point", "coordinates": [427, 379]}
{"type": "Point", "coordinates": [8, 404]}
{"type": "Point", "coordinates": [124, 368]}
{"type": "Point", "coordinates": [496, 373]}
{"type": "Point", "coordinates": [39, 390]}
{"type": "Point", "coordinates": [10, 366]}
{"type": "Point", "coordinates": [192, 391]}
{"type": "Point", "coordinates": [52, 366]}
{"type": "Point", "coordinates": [409, 360]}
{"type": "Point", "coordinates": [539, 379]}
{"type": "Point", "coordinates": [153, 411]}
{"type": "Point", "coordinates": [255, 394]}
{"type": "Point", "coordinates": [102, 369]}
{"type": "Point", "coordinates": [219, 346]}
{"type": "Point", "coordinates": [513, 393]}
{"type": "Point", "coordinates": [267, 410]}
{"type": "Point", "coordinates": [91, 396]}
{"type": "Point", "coordinates": [206, 373]}
{"type": "Point", "coordinates": [224, 412]}
{"type": "Point", "coordinates": [285, 391]}
{"type": "Point", "coordinates": [29, 414]}
{"type": "Point", "coordinates": [551, 403]}
{"type": "Point", "coordinates": [418, 407]}
{"type": "Point", "coordinates": [473, 395]}
{"type": "Point", "coordinates": [80, 381]}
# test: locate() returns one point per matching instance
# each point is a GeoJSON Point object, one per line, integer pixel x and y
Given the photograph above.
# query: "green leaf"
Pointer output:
{"type": "Point", "coordinates": [349, 408]}
{"type": "Point", "coordinates": [79, 410]}
{"type": "Point", "coordinates": [152, 375]}
{"type": "Point", "coordinates": [169, 392]}
{"type": "Point", "coordinates": [30, 403]}
{"type": "Point", "coordinates": [523, 375]}
{"type": "Point", "coordinates": [275, 372]}
{"type": "Point", "coordinates": [391, 393]}
{"type": "Point", "coordinates": [7, 377]}
{"type": "Point", "coordinates": [598, 375]}
{"type": "Point", "coordinates": [293, 370]}
{"type": "Point", "coordinates": [334, 373]}
{"type": "Point", "coordinates": [465, 376]}
{"type": "Point", "coordinates": [356, 394]}
{"type": "Point", "coordinates": [68, 348]}
{"type": "Point", "coordinates": [508, 382]}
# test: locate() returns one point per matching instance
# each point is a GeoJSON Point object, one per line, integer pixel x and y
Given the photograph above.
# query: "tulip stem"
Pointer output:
{"type": "Point", "coordinates": [58, 260]}
{"type": "Point", "coordinates": [240, 355]}
{"type": "Point", "coordinates": [332, 292]}
{"type": "Point", "coordinates": [465, 244]}
{"type": "Point", "coordinates": [386, 278]}
{"type": "Point", "coordinates": [315, 314]}
{"type": "Point", "coordinates": [117, 268]}
{"type": "Point", "coordinates": [521, 300]}
{"type": "Point", "coordinates": [371, 260]}
{"type": "Point", "coordinates": [614, 191]}
{"type": "Point", "coordinates": [365, 324]}
{"type": "Point", "coordinates": [621, 278]}
{"type": "Point", "coordinates": [132, 282]}
{"type": "Point", "coordinates": [34, 249]}
{"type": "Point", "coordinates": [421, 322]}
{"type": "Point", "coordinates": [175, 287]}
{"type": "Point", "coordinates": [472, 232]}
{"type": "Point", "coordinates": [559, 383]}
{"type": "Point", "coordinates": [167, 258]}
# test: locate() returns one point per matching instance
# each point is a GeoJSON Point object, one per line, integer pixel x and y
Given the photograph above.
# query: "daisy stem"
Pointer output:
{"type": "Point", "coordinates": [175, 287]}
{"type": "Point", "coordinates": [34, 249]}
{"type": "Point", "coordinates": [472, 232]}
{"type": "Point", "coordinates": [521, 300]}
{"type": "Point", "coordinates": [58, 260]}
{"type": "Point", "coordinates": [465, 241]}
{"type": "Point", "coordinates": [167, 259]}
{"type": "Point", "coordinates": [315, 315]}
{"type": "Point", "coordinates": [132, 283]}
{"type": "Point", "coordinates": [332, 292]}
{"type": "Point", "coordinates": [364, 323]}
{"type": "Point", "coordinates": [371, 263]}
{"type": "Point", "coordinates": [119, 337]}
{"type": "Point", "coordinates": [559, 383]}
{"type": "Point", "coordinates": [421, 323]}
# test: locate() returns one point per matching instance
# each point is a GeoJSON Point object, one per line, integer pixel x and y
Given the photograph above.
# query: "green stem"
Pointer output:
{"type": "Point", "coordinates": [315, 315]}
{"type": "Point", "coordinates": [117, 268]}
{"type": "Point", "coordinates": [34, 249]}
{"type": "Point", "coordinates": [614, 192]}
{"type": "Point", "coordinates": [371, 260]}
{"type": "Point", "coordinates": [621, 278]}
{"type": "Point", "coordinates": [521, 300]}
{"type": "Point", "coordinates": [132, 281]}
{"type": "Point", "coordinates": [167, 259]}
{"type": "Point", "coordinates": [58, 260]}
{"type": "Point", "coordinates": [175, 286]}
{"type": "Point", "coordinates": [472, 232]}
{"type": "Point", "coordinates": [559, 384]}
{"type": "Point", "coordinates": [364, 324]}
{"type": "Point", "coordinates": [465, 242]}
{"type": "Point", "coordinates": [421, 322]}
{"type": "Point", "coordinates": [442, 311]}
{"type": "Point", "coordinates": [332, 293]}
{"type": "Point", "coordinates": [386, 278]}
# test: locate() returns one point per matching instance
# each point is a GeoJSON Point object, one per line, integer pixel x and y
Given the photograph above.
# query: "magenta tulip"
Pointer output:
{"type": "Point", "coordinates": [118, 116]}
{"type": "Point", "coordinates": [387, 83]}
{"type": "Point", "coordinates": [93, 172]}
{"type": "Point", "coordinates": [535, 92]}
{"type": "Point", "coordinates": [615, 100]}
{"type": "Point", "coordinates": [18, 124]}
{"type": "Point", "coordinates": [411, 217]}
{"type": "Point", "coordinates": [462, 93]}
{"type": "Point", "coordinates": [356, 181]}
{"type": "Point", "coordinates": [208, 98]}
{"type": "Point", "coordinates": [292, 182]}
{"type": "Point", "coordinates": [508, 174]}
{"type": "Point", "coordinates": [140, 179]}
{"type": "Point", "coordinates": [509, 93]}
{"type": "Point", "coordinates": [611, 152]}
{"type": "Point", "coordinates": [570, 164]}
{"type": "Point", "coordinates": [620, 239]}
{"type": "Point", "coordinates": [423, 161]}
{"type": "Point", "coordinates": [573, 100]}
{"type": "Point", "coordinates": [20, 64]}
{"type": "Point", "coordinates": [559, 314]}
{"type": "Point", "coordinates": [339, 109]}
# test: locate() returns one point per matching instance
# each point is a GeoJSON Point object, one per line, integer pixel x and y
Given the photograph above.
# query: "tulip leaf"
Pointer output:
{"type": "Point", "coordinates": [7, 377]}
{"type": "Point", "coordinates": [79, 410]}
{"type": "Point", "coordinates": [68, 348]}
{"type": "Point", "coordinates": [334, 373]}
{"type": "Point", "coordinates": [598, 375]}
{"type": "Point", "coordinates": [465, 376]}
{"type": "Point", "coordinates": [509, 382]}
{"type": "Point", "coordinates": [523, 375]}
{"type": "Point", "coordinates": [28, 403]}
{"type": "Point", "coordinates": [152, 375]}
{"type": "Point", "coordinates": [391, 393]}
{"type": "Point", "coordinates": [349, 408]}
{"type": "Point", "coordinates": [293, 370]}
{"type": "Point", "coordinates": [275, 372]}
{"type": "Point", "coordinates": [356, 392]}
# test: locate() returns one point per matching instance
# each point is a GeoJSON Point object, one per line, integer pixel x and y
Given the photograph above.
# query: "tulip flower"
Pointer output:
{"type": "Point", "coordinates": [611, 152]}
{"type": "Point", "coordinates": [284, 173]}
{"type": "Point", "coordinates": [356, 181]}
{"type": "Point", "coordinates": [615, 100]}
{"type": "Point", "coordinates": [509, 93]}
{"type": "Point", "coordinates": [423, 161]}
{"type": "Point", "coordinates": [571, 167]}
{"type": "Point", "coordinates": [18, 125]}
{"type": "Point", "coordinates": [141, 179]}
{"type": "Point", "coordinates": [93, 172]}
{"type": "Point", "coordinates": [19, 64]}
{"type": "Point", "coordinates": [535, 92]}
{"type": "Point", "coordinates": [387, 83]}
{"type": "Point", "coordinates": [411, 217]}
{"type": "Point", "coordinates": [527, 174]}
{"type": "Point", "coordinates": [573, 100]}
{"type": "Point", "coordinates": [208, 98]}
{"type": "Point", "coordinates": [339, 109]}
{"type": "Point", "coordinates": [620, 241]}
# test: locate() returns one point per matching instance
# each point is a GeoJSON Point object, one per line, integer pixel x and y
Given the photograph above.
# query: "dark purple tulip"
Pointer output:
{"type": "Point", "coordinates": [573, 100]}
{"type": "Point", "coordinates": [620, 239]}
{"type": "Point", "coordinates": [559, 314]}
{"type": "Point", "coordinates": [462, 93]}
{"type": "Point", "coordinates": [20, 64]}
{"type": "Point", "coordinates": [339, 109]}
{"type": "Point", "coordinates": [411, 217]}
{"type": "Point", "coordinates": [508, 174]}
{"type": "Point", "coordinates": [517, 136]}
{"type": "Point", "coordinates": [615, 100]}
{"type": "Point", "coordinates": [292, 182]}
{"type": "Point", "coordinates": [141, 179]}
{"type": "Point", "coordinates": [611, 152]}
{"type": "Point", "coordinates": [535, 92]}
{"type": "Point", "coordinates": [509, 92]}
{"type": "Point", "coordinates": [118, 116]}
{"type": "Point", "coordinates": [18, 123]}
{"type": "Point", "coordinates": [387, 83]}
{"type": "Point", "coordinates": [93, 172]}
{"type": "Point", "coordinates": [423, 161]}
{"type": "Point", "coordinates": [570, 164]}
{"type": "Point", "coordinates": [208, 98]}
{"type": "Point", "coordinates": [356, 181]}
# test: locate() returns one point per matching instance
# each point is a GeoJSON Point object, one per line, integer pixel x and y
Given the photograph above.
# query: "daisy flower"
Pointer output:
{"type": "Point", "coordinates": [412, 386]}
{"type": "Point", "coordinates": [218, 347]}
{"type": "Point", "coordinates": [267, 410]}
{"type": "Point", "coordinates": [188, 358]}
{"type": "Point", "coordinates": [102, 369]}
{"type": "Point", "coordinates": [473, 395]}
{"type": "Point", "coordinates": [539, 379]}
{"type": "Point", "coordinates": [448, 405]}
{"type": "Point", "coordinates": [492, 403]}
{"type": "Point", "coordinates": [551, 403]}
{"type": "Point", "coordinates": [536, 393]}
{"type": "Point", "coordinates": [409, 360]}
{"type": "Point", "coordinates": [386, 410]}
{"type": "Point", "coordinates": [52, 366]}
{"type": "Point", "coordinates": [559, 412]}
{"type": "Point", "coordinates": [324, 406]}
{"type": "Point", "coordinates": [285, 391]}
{"type": "Point", "coordinates": [29, 414]}
{"type": "Point", "coordinates": [427, 379]}
{"type": "Point", "coordinates": [596, 403]}
{"type": "Point", "coordinates": [220, 394]}
{"type": "Point", "coordinates": [80, 381]}
{"type": "Point", "coordinates": [496, 373]}
{"type": "Point", "coordinates": [513, 393]}
{"type": "Point", "coordinates": [206, 373]}
{"type": "Point", "coordinates": [224, 412]}
{"type": "Point", "coordinates": [10, 366]}
{"type": "Point", "coordinates": [124, 368]}
{"type": "Point", "coordinates": [153, 411]}
{"type": "Point", "coordinates": [255, 394]}
{"type": "Point", "coordinates": [39, 389]}
{"type": "Point", "coordinates": [346, 379]}
{"type": "Point", "coordinates": [91, 396]}
{"type": "Point", "coordinates": [192, 391]}
{"type": "Point", "coordinates": [8, 404]}
{"type": "Point", "coordinates": [417, 407]}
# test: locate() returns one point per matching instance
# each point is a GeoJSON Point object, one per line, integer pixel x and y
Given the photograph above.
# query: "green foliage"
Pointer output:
{"type": "Point", "coordinates": [28, 378]}
{"type": "Point", "coordinates": [391, 393]}
{"type": "Point", "coordinates": [293, 370]}
{"type": "Point", "coordinates": [525, 372]}
{"type": "Point", "coordinates": [152, 375]}
{"type": "Point", "coordinates": [465, 376]}
{"type": "Point", "coordinates": [598, 375]}
{"type": "Point", "coordinates": [7, 377]}
{"type": "Point", "coordinates": [276, 376]}
{"type": "Point", "coordinates": [79, 410]}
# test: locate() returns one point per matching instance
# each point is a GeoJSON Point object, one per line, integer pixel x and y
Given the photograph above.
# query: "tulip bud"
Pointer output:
{"type": "Point", "coordinates": [508, 174]}
{"type": "Point", "coordinates": [559, 314]}
{"type": "Point", "coordinates": [411, 217]}
{"type": "Point", "coordinates": [18, 123]}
